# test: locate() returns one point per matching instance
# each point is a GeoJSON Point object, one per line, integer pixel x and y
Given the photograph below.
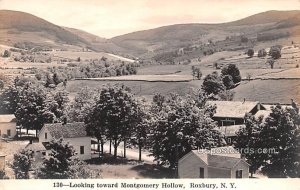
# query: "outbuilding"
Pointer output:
{"type": "Point", "coordinates": [222, 162]}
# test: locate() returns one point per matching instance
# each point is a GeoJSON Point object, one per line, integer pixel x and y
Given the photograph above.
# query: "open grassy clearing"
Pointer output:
{"type": "Point", "coordinates": [269, 91]}
{"type": "Point", "coordinates": [139, 88]}
{"type": "Point", "coordinates": [148, 78]}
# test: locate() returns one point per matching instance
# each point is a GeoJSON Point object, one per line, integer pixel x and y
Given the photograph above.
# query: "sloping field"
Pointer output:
{"type": "Point", "coordinates": [148, 78]}
{"type": "Point", "coordinates": [284, 74]}
{"type": "Point", "coordinates": [269, 91]}
{"type": "Point", "coordinates": [88, 55]}
{"type": "Point", "coordinates": [139, 88]}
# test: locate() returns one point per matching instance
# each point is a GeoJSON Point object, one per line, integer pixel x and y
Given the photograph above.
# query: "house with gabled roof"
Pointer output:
{"type": "Point", "coordinates": [230, 116]}
{"type": "Point", "coordinates": [74, 133]}
{"type": "Point", "coordinates": [222, 162]}
{"type": "Point", "coordinates": [233, 112]}
{"type": "Point", "coordinates": [8, 128]}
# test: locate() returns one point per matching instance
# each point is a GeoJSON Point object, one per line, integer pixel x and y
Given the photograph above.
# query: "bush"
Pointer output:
{"type": "Point", "coordinates": [275, 52]}
{"type": "Point", "coordinates": [250, 52]}
{"type": "Point", "coordinates": [6, 53]}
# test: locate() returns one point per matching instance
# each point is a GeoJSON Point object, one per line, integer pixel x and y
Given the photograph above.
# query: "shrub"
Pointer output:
{"type": "Point", "coordinates": [250, 52]}
{"type": "Point", "coordinates": [275, 52]}
{"type": "Point", "coordinates": [6, 53]}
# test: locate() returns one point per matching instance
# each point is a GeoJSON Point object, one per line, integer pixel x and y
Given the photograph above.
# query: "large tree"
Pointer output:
{"type": "Point", "coordinates": [84, 100]}
{"type": "Point", "coordinates": [179, 127]}
{"type": "Point", "coordinates": [36, 106]}
{"type": "Point", "coordinates": [248, 139]}
{"type": "Point", "coordinates": [141, 130]}
{"type": "Point", "coordinates": [212, 84]}
{"type": "Point", "coordinates": [233, 71]}
{"type": "Point", "coordinates": [113, 115]}
{"type": "Point", "coordinates": [281, 133]}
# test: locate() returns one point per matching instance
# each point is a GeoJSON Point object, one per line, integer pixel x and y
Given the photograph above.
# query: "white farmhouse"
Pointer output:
{"type": "Point", "coordinates": [74, 133]}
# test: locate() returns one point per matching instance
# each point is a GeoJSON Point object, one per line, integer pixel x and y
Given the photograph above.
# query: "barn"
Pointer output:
{"type": "Point", "coordinates": [222, 162]}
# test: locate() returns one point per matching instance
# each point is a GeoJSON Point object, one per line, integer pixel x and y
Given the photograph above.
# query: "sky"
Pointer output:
{"type": "Point", "coordinates": [109, 18]}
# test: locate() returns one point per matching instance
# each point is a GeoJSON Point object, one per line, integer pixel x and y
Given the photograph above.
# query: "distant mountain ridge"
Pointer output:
{"type": "Point", "coordinates": [175, 36]}
{"type": "Point", "coordinates": [18, 26]}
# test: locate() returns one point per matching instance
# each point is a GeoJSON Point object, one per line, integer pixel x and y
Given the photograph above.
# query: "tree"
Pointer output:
{"type": "Point", "coordinates": [250, 52]}
{"type": "Point", "coordinates": [233, 71]}
{"type": "Point", "coordinates": [179, 127]}
{"type": "Point", "coordinates": [84, 100]}
{"type": "Point", "coordinates": [58, 165]}
{"type": "Point", "coordinates": [228, 82]}
{"type": "Point", "coordinates": [212, 84]}
{"type": "Point", "coordinates": [6, 53]}
{"type": "Point", "coordinates": [281, 132]}
{"type": "Point", "coordinates": [112, 116]}
{"type": "Point", "coordinates": [32, 111]}
{"type": "Point", "coordinates": [10, 96]}
{"type": "Point", "coordinates": [22, 164]}
{"type": "Point", "coordinates": [247, 138]}
{"type": "Point", "coordinates": [57, 78]}
{"type": "Point", "coordinates": [141, 129]}
{"type": "Point", "coordinates": [275, 52]}
{"type": "Point", "coordinates": [196, 72]}
{"type": "Point", "coordinates": [271, 63]}
{"type": "Point", "coordinates": [262, 53]}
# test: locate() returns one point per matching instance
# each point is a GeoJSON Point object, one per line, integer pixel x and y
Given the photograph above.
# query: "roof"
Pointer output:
{"type": "Point", "coordinates": [35, 147]}
{"type": "Point", "coordinates": [7, 118]}
{"type": "Point", "coordinates": [234, 109]}
{"type": "Point", "coordinates": [69, 130]}
{"type": "Point", "coordinates": [220, 157]}
{"type": "Point", "coordinates": [231, 130]}
{"type": "Point", "coordinates": [222, 161]}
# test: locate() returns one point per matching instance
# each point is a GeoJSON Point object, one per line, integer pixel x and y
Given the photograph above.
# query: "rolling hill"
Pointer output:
{"type": "Point", "coordinates": [19, 27]}
{"type": "Point", "coordinates": [180, 35]}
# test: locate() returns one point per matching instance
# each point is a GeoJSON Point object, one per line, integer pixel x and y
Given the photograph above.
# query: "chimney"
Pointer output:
{"type": "Point", "coordinates": [30, 141]}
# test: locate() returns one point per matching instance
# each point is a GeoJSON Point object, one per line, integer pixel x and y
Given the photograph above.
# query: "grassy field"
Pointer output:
{"type": "Point", "coordinates": [147, 78]}
{"type": "Point", "coordinates": [269, 91]}
{"type": "Point", "coordinates": [139, 88]}
{"type": "Point", "coordinates": [87, 55]}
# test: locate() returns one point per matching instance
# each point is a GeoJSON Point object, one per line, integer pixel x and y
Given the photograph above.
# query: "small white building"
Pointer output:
{"type": "Point", "coordinates": [74, 133]}
{"type": "Point", "coordinates": [8, 125]}
{"type": "Point", "coordinates": [222, 162]}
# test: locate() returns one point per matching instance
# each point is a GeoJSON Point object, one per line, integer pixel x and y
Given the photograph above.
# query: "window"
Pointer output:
{"type": "Point", "coordinates": [201, 172]}
{"type": "Point", "coordinates": [229, 140]}
{"type": "Point", "coordinates": [81, 149]}
{"type": "Point", "coordinates": [239, 174]}
{"type": "Point", "coordinates": [8, 132]}
{"type": "Point", "coordinates": [46, 135]}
